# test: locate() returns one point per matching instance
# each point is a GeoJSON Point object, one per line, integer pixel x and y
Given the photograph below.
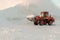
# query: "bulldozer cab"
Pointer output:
{"type": "Point", "coordinates": [44, 14]}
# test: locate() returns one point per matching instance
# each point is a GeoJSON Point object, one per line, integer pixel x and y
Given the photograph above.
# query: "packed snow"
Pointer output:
{"type": "Point", "coordinates": [23, 29]}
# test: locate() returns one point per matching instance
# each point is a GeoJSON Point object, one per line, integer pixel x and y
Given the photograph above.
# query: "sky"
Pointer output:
{"type": "Point", "coordinates": [10, 3]}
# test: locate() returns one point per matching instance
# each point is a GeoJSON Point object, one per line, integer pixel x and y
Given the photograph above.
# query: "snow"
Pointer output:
{"type": "Point", "coordinates": [22, 29]}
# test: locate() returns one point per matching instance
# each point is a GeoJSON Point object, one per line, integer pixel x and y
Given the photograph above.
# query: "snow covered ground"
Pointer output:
{"type": "Point", "coordinates": [16, 29]}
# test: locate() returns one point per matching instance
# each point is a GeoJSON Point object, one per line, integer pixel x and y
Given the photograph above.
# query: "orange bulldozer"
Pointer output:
{"type": "Point", "coordinates": [43, 19]}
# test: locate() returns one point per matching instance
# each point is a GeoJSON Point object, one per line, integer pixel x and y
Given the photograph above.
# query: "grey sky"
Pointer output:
{"type": "Point", "coordinates": [10, 3]}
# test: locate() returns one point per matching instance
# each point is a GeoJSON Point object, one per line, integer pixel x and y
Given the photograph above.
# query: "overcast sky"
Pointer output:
{"type": "Point", "coordinates": [10, 3]}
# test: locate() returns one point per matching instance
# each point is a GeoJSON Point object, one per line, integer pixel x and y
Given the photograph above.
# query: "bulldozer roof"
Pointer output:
{"type": "Point", "coordinates": [44, 12]}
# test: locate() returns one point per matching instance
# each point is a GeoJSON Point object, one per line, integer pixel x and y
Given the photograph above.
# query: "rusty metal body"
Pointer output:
{"type": "Point", "coordinates": [44, 19]}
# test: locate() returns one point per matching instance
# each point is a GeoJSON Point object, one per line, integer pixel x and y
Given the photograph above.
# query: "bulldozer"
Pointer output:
{"type": "Point", "coordinates": [43, 19]}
